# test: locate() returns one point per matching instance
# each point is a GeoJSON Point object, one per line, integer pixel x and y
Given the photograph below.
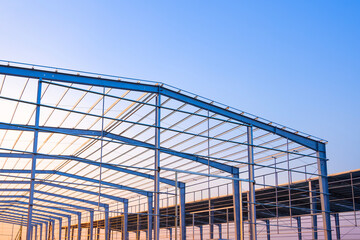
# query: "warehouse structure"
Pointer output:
{"type": "Point", "coordinates": [83, 155]}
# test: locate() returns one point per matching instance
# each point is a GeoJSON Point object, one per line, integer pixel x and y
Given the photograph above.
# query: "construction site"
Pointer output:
{"type": "Point", "coordinates": [88, 156]}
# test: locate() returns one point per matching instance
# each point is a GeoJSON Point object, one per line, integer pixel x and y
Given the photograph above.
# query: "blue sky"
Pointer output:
{"type": "Point", "coordinates": [293, 62]}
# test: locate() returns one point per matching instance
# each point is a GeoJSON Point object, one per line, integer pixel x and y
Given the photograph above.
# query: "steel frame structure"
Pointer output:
{"type": "Point", "coordinates": [79, 143]}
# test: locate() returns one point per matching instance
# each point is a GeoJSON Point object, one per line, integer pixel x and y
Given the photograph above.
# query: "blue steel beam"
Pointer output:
{"type": "Point", "coordinates": [90, 162]}
{"type": "Point", "coordinates": [135, 190]}
{"type": "Point", "coordinates": [69, 78]}
{"type": "Point", "coordinates": [68, 188]}
{"type": "Point", "coordinates": [36, 210]}
{"type": "Point", "coordinates": [39, 205]}
{"type": "Point", "coordinates": [55, 195]}
{"type": "Point", "coordinates": [24, 213]}
{"type": "Point", "coordinates": [17, 219]}
{"type": "Point", "coordinates": [48, 201]}
{"type": "Point", "coordinates": [129, 141]}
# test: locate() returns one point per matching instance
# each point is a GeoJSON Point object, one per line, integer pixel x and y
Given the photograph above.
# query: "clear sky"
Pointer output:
{"type": "Point", "coordinates": [293, 62]}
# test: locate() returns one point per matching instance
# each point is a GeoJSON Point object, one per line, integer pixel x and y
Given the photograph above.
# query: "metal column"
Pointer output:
{"type": "Point", "coordinates": [33, 162]}
{"type": "Point", "coordinates": [68, 228]}
{"type": "Point", "coordinates": [41, 231]}
{"type": "Point", "coordinates": [267, 222]}
{"type": "Point", "coordinates": [220, 231]}
{"type": "Point", "coordinates": [182, 212]}
{"type": "Point", "coordinates": [157, 169]}
{"type": "Point", "coordinates": [53, 229]}
{"type": "Point", "coordinates": [36, 232]}
{"type": "Point", "coordinates": [79, 227]}
{"type": "Point", "coordinates": [337, 226]}
{"type": "Point", "coordinates": [126, 214]}
{"type": "Point", "coordinates": [46, 230]}
{"type": "Point", "coordinates": [201, 232]}
{"type": "Point", "coordinates": [237, 206]}
{"type": "Point", "coordinates": [150, 217]}
{"type": "Point", "coordinates": [91, 229]}
{"type": "Point", "coordinates": [60, 226]}
{"type": "Point", "coordinates": [106, 208]}
{"type": "Point", "coordinates": [313, 211]}
{"type": "Point", "coordinates": [324, 191]}
{"type": "Point", "coordinates": [298, 220]}
{"type": "Point", "coordinates": [252, 207]}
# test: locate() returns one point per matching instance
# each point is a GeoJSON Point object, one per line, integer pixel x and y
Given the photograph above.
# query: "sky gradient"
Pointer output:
{"type": "Point", "coordinates": [293, 62]}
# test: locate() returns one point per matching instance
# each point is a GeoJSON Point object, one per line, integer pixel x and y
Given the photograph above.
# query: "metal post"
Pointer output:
{"type": "Point", "coordinates": [252, 207]}
{"type": "Point", "coordinates": [182, 213]}
{"type": "Point", "coordinates": [46, 230]}
{"type": "Point", "coordinates": [137, 227]}
{"type": "Point", "coordinates": [324, 191]}
{"type": "Point", "coordinates": [68, 228]}
{"type": "Point", "coordinates": [36, 233]}
{"type": "Point", "coordinates": [98, 234]}
{"type": "Point", "coordinates": [41, 231]}
{"type": "Point", "coordinates": [33, 162]}
{"type": "Point", "coordinates": [72, 233]}
{"type": "Point", "coordinates": [337, 226]}
{"type": "Point", "coordinates": [91, 229]}
{"type": "Point", "coordinates": [312, 197]}
{"type": "Point", "coordinates": [237, 198]}
{"type": "Point", "coordinates": [150, 217]}
{"type": "Point", "coordinates": [220, 231]}
{"type": "Point", "coordinates": [176, 206]}
{"type": "Point", "coordinates": [60, 226]}
{"type": "Point", "coordinates": [298, 220]}
{"type": "Point", "coordinates": [106, 208]}
{"type": "Point", "coordinates": [79, 226]}
{"type": "Point", "coordinates": [126, 214]}
{"type": "Point", "coordinates": [53, 229]}
{"type": "Point", "coordinates": [267, 222]}
{"type": "Point", "coordinates": [170, 233]}
{"type": "Point", "coordinates": [201, 232]}
{"type": "Point", "coordinates": [157, 168]}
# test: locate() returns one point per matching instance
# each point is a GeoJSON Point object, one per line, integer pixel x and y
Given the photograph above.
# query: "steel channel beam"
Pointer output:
{"type": "Point", "coordinates": [157, 169]}
{"type": "Point", "coordinates": [252, 206]}
{"type": "Point", "coordinates": [33, 162]}
{"type": "Point", "coordinates": [313, 210]}
{"type": "Point", "coordinates": [324, 193]}
{"type": "Point", "coordinates": [69, 78]}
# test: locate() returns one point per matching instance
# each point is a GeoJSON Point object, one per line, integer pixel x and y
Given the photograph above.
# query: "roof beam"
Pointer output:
{"type": "Point", "coordinates": [85, 80]}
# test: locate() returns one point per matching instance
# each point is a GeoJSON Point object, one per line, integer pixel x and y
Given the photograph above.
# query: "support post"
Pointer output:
{"type": "Point", "coordinates": [68, 228]}
{"type": "Point", "coordinates": [46, 230]}
{"type": "Point", "coordinates": [182, 212]}
{"type": "Point", "coordinates": [79, 226]}
{"type": "Point", "coordinates": [298, 220]}
{"type": "Point", "coordinates": [60, 226]}
{"type": "Point", "coordinates": [324, 191]}
{"type": "Point", "coordinates": [33, 162]}
{"type": "Point", "coordinates": [201, 232]}
{"type": "Point", "coordinates": [91, 235]}
{"type": "Point", "coordinates": [337, 226]}
{"type": "Point", "coordinates": [157, 168]}
{"type": "Point", "coordinates": [106, 208]}
{"type": "Point", "coordinates": [41, 231]}
{"type": "Point", "coordinates": [220, 231]}
{"type": "Point", "coordinates": [36, 232]}
{"type": "Point", "coordinates": [170, 233]}
{"type": "Point", "coordinates": [237, 207]}
{"type": "Point", "coordinates": [126, 215]}
{"type": "Point", "coordinates": [312, 197]}
{"type": "Point", "coordinates": [53, 230]}
{"type": "Point", "coordinates": [150, 217]}
{"type": "Point", "coordinates": [252, 207]}
{"type": "Point", "coordinates": [267, 222]}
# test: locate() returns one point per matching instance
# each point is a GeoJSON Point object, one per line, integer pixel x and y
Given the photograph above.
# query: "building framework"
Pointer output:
{"type": "Point", "coordinates": [78, 147]}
